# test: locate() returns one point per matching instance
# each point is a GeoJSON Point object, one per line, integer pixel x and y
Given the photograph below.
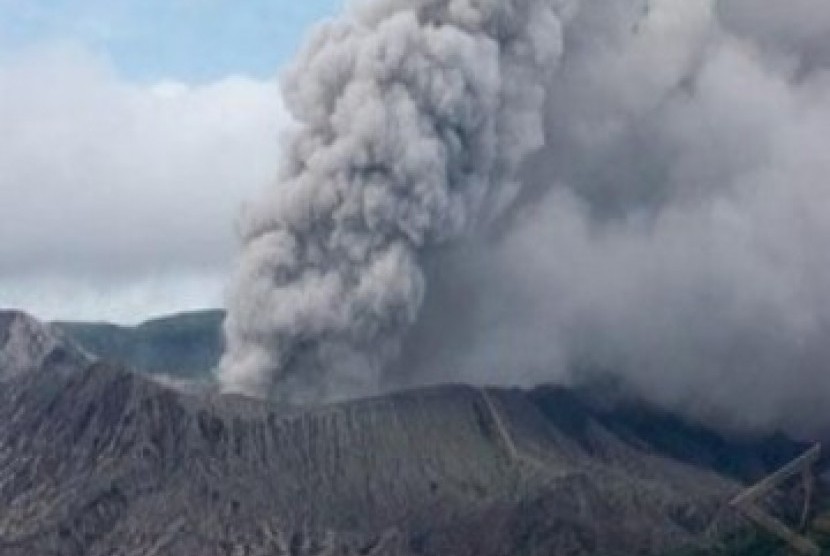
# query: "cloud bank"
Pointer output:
{"type": "Point", "coordinates": [656, 207]}
{"type": "Point", "coordinates": [123, 196]}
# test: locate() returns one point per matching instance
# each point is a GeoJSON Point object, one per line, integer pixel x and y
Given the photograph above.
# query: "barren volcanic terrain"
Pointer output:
{"type": "Point", "coordinates": [98, 460]}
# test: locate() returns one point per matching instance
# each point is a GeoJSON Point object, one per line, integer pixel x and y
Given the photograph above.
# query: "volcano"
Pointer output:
{"type": "Point", "coordinates": [98, 460]}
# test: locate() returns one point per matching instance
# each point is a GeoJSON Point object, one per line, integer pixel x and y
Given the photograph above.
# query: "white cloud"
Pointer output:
{"type": "Point", "coordinates": [107, 186]}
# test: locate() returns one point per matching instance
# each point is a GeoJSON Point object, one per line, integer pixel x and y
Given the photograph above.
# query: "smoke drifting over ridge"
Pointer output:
{"type": "Point", "coordinates": [517, 192]}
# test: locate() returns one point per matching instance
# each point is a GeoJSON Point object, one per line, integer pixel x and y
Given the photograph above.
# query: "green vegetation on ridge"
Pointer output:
{"type": "Point", "coordinates": [187, 345]}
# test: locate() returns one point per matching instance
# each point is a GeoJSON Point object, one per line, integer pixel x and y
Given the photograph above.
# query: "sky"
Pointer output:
{"type": "Point", "coordinates": [132, 133]}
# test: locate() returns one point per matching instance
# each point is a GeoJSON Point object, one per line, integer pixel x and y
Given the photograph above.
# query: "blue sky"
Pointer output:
{"type": "Point", "coordinates": [184, 40]}
{"type": "Point", "coordinates": [132, 132]}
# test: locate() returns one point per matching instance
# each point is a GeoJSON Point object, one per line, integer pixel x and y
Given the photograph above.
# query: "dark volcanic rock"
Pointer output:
{"type": "Point", "coordinates": [27, 345]}
{"type": "Point", "coordinates": [95, 460]}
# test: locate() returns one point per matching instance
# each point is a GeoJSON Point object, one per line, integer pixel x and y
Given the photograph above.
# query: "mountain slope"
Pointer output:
{"type": "Point", "coordinates": [27, 345]}
{"type": "Point", "coordinates": [103, 461]}
{"type": "Point", "coordinates": [186, 345]}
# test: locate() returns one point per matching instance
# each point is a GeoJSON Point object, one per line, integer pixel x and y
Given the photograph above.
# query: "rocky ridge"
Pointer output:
{"type": "Point", "coordinates": [97, 460]}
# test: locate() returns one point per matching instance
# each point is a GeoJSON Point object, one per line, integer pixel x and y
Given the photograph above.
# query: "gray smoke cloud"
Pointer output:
{"type": "Point", "coordinates": [413, 120]}
{"type": "Point", "coordinates": [657, 208]}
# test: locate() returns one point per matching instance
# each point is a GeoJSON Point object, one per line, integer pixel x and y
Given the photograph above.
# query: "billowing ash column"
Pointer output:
{"type": "Point", "coordinates": [413, 117]}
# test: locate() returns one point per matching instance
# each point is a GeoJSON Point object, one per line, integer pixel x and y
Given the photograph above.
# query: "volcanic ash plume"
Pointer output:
{"type": "Point", "coordinates": [673, 232]}
{"type": "Point", "coordinates": [670, 230]}
{"type": "Point", "coordinates": [413, 119]}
